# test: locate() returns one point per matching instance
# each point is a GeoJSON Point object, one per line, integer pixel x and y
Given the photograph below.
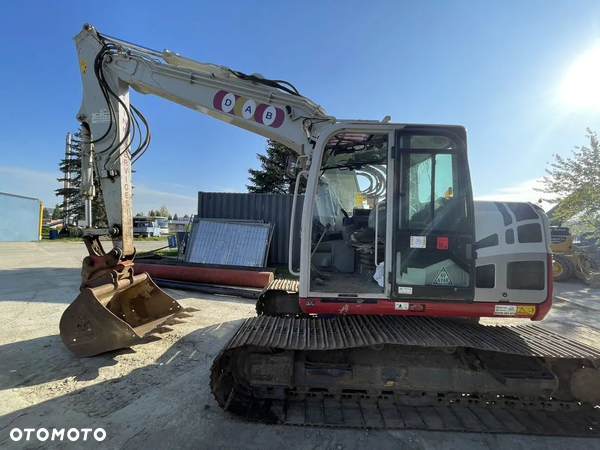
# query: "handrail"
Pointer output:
{"type": "Point", "coordinates": [376, 227]}
{"type": "Point", "coordinates": [292, 222]}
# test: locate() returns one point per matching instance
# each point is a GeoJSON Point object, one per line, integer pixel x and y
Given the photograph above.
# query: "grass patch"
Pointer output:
{"type": "Point", "coordinates": [283, 272]}
{"type": "Point", "coordinates": [153, 238]}
{"type": "Point", "coordinates": [72, 238]}
{"type": "Point", "coordinates": [167, 252]}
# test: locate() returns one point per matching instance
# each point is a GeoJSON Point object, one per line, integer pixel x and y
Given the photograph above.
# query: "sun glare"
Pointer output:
{"type": "Point", "coordinates": [581, 87]}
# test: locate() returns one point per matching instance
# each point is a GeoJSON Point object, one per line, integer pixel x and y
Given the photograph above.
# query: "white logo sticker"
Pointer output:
{"type": "Point", "coordinates": [248, 109]}
{"type": "Point", "coordinates": [269, 115]}
{"type": "Point", "coordinates": [443, 279]}
{"type": "Point", "coordinates": [401, 306]}
{"type": "Point", "coordinates": [418, 241]}
{"type": "Point", "coordinates": [228, 103]}
{"type": "Point", "coordinates": [505, 310]}
{"type": "Point", "coordinates": [404, 290]}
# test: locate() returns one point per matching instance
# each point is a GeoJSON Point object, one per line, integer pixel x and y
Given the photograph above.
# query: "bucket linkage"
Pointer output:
{"type": "Point", "coordinates": [115, 307]}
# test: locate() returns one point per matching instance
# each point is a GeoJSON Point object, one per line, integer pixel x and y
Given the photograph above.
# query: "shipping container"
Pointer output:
{"type": "Point", "coordinates": [275, 209]}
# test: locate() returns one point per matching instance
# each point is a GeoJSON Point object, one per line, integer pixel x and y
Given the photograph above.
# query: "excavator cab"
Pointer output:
{"type": "Point", "coordinates": [394, 221]}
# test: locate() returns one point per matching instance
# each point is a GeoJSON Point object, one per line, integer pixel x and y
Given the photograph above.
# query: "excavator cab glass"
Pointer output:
{"type": "Point", "coordinates": [349, 216]}
{"type": "Point", "coordinates": [434, 227]}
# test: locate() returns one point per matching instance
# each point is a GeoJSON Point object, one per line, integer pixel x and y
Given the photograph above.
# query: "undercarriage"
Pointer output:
{"type": "Point", "coordinates": [409, 373]}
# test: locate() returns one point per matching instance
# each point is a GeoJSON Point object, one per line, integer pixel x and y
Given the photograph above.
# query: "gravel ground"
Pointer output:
{"type": "Point", "coordinates": [156, 395]}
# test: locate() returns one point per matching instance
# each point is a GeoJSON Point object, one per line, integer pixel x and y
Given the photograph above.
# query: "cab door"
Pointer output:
{"type": "Point", "coordinates": [433, 226]}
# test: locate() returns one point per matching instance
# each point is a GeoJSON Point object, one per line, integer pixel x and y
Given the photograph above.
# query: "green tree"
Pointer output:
{"type": "Point", "coordinates": [163, 211]}
{"type": "Point", "coordinates": [271, 178]}
{"type": "Point", "coordinates": [71, 168]}
{"type": "Point", "coordinates": [170, 217]}
{"type": "Point", "coordinates": [151, 213]}
{"type": "Point", "coordinates": [57, 213]}
{"type": "Point", "coordinates": [140, 214]}
{"type": "Point", "coordinates": [186, 217]}
{"type": "Point", "coordinates": [573, 183]}
{"type": "Point", "coordinates": [175, 217]}
{"type": "Point", "coordinates": [47, 215]}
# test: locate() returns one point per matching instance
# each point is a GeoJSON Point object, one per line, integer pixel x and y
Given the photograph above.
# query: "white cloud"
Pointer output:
{"type": "Point", "coordinates": [522, 192]}
{"type": "Point", "coordinates": [31, 183]}
{"type": "Point", "coordinates": [230, 190]}
{"type": "Point", "coordinates": [41, 184]}
{"type": "Point", "coordinates": [145, 199]}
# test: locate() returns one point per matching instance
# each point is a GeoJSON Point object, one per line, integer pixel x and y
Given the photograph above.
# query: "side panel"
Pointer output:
{"type": "Point", "coordinates": [512, 253]}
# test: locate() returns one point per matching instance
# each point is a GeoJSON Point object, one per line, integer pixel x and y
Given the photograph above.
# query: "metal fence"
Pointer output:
{"type": "Point", "coordinates": [271, 208]}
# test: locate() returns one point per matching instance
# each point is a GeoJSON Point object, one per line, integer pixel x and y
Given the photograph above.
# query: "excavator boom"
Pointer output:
{"type": "Point", "coordinates": [110, 67]}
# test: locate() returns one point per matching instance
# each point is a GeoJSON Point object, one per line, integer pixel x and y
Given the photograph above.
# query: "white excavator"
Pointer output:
{"type": "Point", "coordinates": [397, 265]}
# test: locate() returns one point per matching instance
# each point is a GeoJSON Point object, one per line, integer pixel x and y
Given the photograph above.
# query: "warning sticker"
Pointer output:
{"type": "Point", "coordinates": [442, 243]}
{"type": "Point", "coordinates": [418, 241]}
{"type": "Point", "coordinates": [401, 306]}
{"type": "Point", "coordinates": [101, 117]}
{"type": "Point", "coordinates": [443, 279]}
{"type": "Point", "coordinates": [404, 290]}
{"type": "Point", "coordinates": [359, 199]}
{"type": "Point", "coordinates": [505, 310]}
{"type": "Point", "coordinates": [523, 310]}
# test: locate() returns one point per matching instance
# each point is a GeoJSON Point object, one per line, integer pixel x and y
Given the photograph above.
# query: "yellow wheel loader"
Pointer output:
{"type": "Point", "coordinates": [573, 260]}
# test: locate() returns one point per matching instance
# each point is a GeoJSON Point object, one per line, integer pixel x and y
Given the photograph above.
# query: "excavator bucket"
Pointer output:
{"type": "Point", "coordinates": [586, 260]}
{"type": "Point", "coordinates": [115, 315]}
{"type": "Point", "coordinates": [594, 279]}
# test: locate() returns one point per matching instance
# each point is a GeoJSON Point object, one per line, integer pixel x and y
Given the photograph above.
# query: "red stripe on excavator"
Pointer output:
{"type": "Point", "coordinates": [386, 307]}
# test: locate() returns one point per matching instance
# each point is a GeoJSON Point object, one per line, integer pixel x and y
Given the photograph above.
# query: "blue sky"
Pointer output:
{"type": "Point", "coordinates": [495, 67]}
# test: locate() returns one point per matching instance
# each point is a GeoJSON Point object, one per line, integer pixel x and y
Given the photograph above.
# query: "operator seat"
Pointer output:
{"type": "Point", "coordinates": [357, 230]}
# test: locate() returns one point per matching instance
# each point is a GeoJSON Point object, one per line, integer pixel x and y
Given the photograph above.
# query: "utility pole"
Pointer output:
{"type": "Point", "coordinates": [67, 184]}
{"type": "Point", "coordinates": [70, 141]}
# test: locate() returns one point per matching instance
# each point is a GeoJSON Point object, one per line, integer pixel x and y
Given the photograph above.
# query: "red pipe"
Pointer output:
{"type": "Point", "coordinates": [209, 275]}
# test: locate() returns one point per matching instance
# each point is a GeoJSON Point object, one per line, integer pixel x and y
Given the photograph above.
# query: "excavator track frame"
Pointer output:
{"type": "Point", "coordinates": [268, 349]}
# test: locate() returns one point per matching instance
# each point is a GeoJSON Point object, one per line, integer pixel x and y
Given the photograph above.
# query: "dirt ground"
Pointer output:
{"type": "Point", "coordinates": [157, 395]}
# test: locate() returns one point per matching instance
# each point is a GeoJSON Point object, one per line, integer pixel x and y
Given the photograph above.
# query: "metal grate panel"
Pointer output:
{"type": "Point", "coordinates": [227, 243]}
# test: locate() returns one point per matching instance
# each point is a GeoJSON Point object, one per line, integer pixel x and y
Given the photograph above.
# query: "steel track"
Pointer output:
{"type": "Point", "coordinates": [356, 411]}
{"type": "Point", "coordinates": [438, 411]}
